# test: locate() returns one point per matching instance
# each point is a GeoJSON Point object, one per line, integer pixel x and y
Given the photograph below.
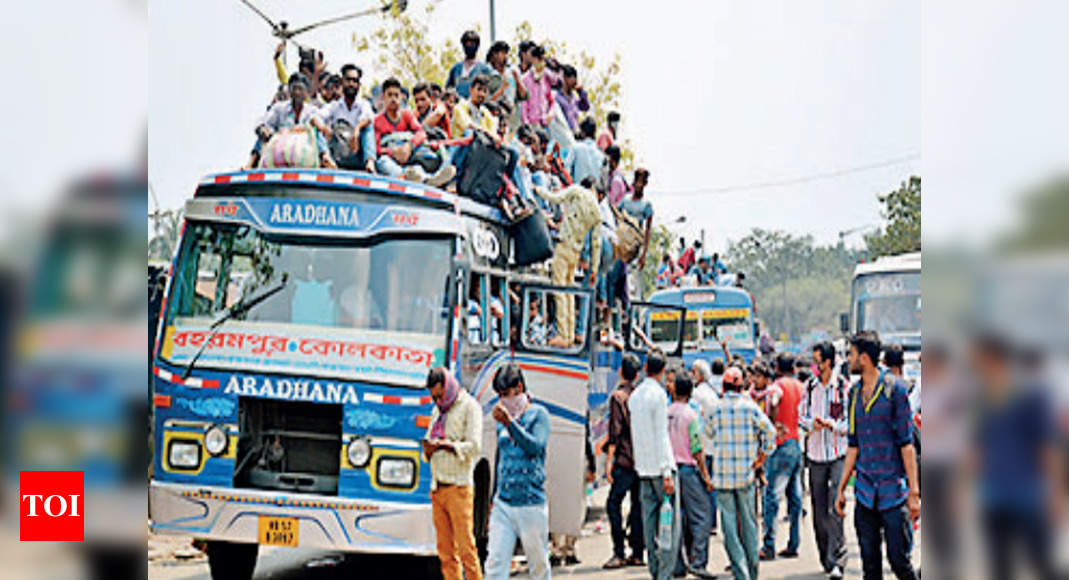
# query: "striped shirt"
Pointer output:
{"type": "Point", "coordinates": [827, 402]}
{"type": "Point", "coordinates": [738, 429]}
{"type": "Point", "coordinates": [879, 430]}
{"type": "Point", "coordinates": [464, 429]}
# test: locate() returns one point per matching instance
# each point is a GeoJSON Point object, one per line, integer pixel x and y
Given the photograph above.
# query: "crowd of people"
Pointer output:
{"type": "Point", "coordinates": [531, 107]}
{"type": "Point", "coordinates": [693, 268]}
{"type": "Point", "coordinates": [720, 441]}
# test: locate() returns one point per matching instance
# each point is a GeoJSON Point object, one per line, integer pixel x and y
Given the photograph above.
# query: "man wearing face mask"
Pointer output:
{"type": "Point", "coordinates": [519, 508]}
{"type": "Point", "coordinates": [452, 446]}
{"type": "Point", "coordinates": [608, 136]}
{"type": "Point", "coordinates": [462, 73]}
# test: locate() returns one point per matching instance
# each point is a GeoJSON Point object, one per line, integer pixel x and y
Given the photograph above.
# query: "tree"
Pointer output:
{"type": "Point", "coordinates": [902, 232]}
{"type": "Point", "coordinates": [166, 227]}
{"type": "Point", "coordinates": [1044, 212]}
{"type": "Point", "coordinates": [797, 286]}
{"type": "Point", "coordinates": [660, 244]}
{"type": "Point", "coordinates": [400, 48]}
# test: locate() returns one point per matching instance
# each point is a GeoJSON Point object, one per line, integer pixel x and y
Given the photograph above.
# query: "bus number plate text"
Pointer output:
{"type": "Point", "coordinates": [278, 531]}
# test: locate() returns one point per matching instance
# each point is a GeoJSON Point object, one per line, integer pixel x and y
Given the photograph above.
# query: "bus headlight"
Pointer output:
{"type": "Point", "coordinates": [359, 452]}
{"type": "Point", "coordinates": [183, 454]}
{"type": "Point", "coordinates": [215, 440]}
{"type": "Point", "coordinates": [396, 472]}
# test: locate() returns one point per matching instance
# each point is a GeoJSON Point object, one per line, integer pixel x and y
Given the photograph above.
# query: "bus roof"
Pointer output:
{"type": "Point", "coordinates": [910, 262]}
{"type": "Point", "coordinates": [726, 296]}
{"type": "Point", "coordinates": [341, 181]}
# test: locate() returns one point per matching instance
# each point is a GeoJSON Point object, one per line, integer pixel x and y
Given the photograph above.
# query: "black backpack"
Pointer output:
{"type": "Point", "coordinates": [339, 145]}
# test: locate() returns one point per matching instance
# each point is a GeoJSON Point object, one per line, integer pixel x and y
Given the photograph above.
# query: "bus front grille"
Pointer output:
{"type": "Point", "coordinates": [291, 446]}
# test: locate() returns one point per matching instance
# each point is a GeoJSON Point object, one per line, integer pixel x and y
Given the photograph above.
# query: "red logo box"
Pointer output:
{"type": "Point", "coordinates": [51, 506]}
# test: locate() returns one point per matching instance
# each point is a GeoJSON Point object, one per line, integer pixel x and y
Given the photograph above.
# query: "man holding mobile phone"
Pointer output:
{"type": "Point", "coordinates": [451, 447]}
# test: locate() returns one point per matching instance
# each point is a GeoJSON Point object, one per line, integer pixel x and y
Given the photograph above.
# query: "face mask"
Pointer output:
{"type": "Point", "coordinates": [540, 66]}
{"type": "Point", "coordinates": [470, 50]}
{"type": "Point", "coordinates": [515, 405]}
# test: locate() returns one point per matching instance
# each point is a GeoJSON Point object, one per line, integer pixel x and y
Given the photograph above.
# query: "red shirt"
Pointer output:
{"type": "Point", "coordinates": [787, 410]}
{"type": "Point", "coordinates": [406, 122]}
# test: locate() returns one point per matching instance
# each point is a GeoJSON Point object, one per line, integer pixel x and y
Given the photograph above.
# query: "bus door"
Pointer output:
{"type": "Point", "coordinates": [553, 348]}
{"type": "Point", "coordinates": [659, 326]}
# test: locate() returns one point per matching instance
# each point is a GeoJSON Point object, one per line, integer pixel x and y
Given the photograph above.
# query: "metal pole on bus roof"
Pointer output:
{"type": "Point", "coordinates": [493, 29]}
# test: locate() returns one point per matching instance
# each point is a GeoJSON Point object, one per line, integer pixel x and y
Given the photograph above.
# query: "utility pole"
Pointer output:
{"type": "Point", "coordinates": [493, 29]}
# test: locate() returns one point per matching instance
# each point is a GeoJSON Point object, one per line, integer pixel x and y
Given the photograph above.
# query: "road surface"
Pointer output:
{"type": "Point", "coordinates": [593, 549]}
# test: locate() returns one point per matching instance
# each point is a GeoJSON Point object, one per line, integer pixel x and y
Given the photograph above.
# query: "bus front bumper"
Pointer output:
{"type": "Point", "coordinates": [328, 522]}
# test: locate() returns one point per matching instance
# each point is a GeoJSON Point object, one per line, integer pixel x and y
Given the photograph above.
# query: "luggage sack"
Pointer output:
{"type": "Point", "coordinates": [291, 147]}
{"type": "Point", "coordinates": [630, 235]}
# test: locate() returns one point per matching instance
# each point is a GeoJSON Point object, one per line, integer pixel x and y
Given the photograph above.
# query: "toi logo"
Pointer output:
{"type": "Point", "coordinates": [51, 506]}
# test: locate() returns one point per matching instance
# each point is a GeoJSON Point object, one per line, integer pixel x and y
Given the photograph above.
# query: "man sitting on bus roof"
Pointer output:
{"type": "Point", "coordinates": [285, 114]}
{"type": "Point", "coordinates": [356, 112]}
{"type": "Point", "coordinates": [400, 138]}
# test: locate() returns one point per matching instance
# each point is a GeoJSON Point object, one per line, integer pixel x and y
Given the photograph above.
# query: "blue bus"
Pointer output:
{"type": "Point", "coordinates": [712, 314]}
{"type": "Point", "coordinates": [302, 314]}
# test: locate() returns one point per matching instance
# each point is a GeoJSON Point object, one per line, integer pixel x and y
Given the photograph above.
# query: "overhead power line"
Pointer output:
{"type": "Point", "coordinates": [795, 180]}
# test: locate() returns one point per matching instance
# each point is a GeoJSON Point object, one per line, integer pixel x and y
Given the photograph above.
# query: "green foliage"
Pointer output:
{"type": "Point", "coordinates": [166, 227]}
{"type": "Point", "coordinates": [797, 286]}
{"type": "Point", "coordinates": [400, 49]}
{"type": "Point", "coordinates": [1045, 213]}
{"type": "Point", "coordinates": [902, 231]}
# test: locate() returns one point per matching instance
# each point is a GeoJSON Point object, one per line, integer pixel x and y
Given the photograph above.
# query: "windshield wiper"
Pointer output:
{"type": "Point", "coordinates": [241, 307]}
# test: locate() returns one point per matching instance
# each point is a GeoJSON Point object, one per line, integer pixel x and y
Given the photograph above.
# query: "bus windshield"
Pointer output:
{"type": "Point", "coordinates": [729, 324]}
{"type": "Point", "coordinates": [342, 299]}
{"type": "Point", "coordinates": [889, 303]}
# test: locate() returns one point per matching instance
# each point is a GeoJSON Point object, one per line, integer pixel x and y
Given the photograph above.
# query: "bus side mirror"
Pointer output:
{"type": "Point", "coordinates": [844, 322]}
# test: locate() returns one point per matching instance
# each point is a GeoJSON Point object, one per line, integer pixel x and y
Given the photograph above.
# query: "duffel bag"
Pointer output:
{"type": "Point", "coordinates": [482, 176]}
{"type": "Point", "coordinates": [339, 146]}
{"type": "Point", "coordinates": [530, 239]}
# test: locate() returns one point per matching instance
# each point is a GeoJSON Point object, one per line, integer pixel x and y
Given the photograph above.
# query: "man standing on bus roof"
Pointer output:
{"type": "Point", "coordinates": [640, 209]}
{"type": "Point", "coordinates": [451, 446]}
{"type": "Point", "coordinates": [823, 417]}
{"type": "Point", "coordinates": [581, 216]}
{"type": "Point", "coordinates": [519, 509]}
{"type": "Point", "coordinates": [887, 497]}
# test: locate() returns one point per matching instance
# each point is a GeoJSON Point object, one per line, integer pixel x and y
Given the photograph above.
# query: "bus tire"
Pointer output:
{"type": "Point", "coordinates": [232, 561]}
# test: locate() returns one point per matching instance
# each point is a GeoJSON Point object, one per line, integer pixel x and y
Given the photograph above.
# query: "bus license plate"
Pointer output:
{"type": "Point", "coordinates": [278, 531]}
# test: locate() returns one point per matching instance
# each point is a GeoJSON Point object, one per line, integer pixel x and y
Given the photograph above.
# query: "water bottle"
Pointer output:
{"type": "Point", "coordinates": [664, 528]}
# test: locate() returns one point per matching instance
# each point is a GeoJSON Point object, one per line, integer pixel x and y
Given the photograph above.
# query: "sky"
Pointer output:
{"type": "Point", "coordinates": [723, 95]}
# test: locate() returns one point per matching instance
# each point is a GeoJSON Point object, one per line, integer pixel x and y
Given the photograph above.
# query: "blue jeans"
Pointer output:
{"type": "Point", "coordinates": [625, 481]}
{"type": "Point", "coordinates": [528, 524]}
{"type": "Point", "coordinates": [389, 167]}
{"type": "Point", "coordinates": [784, 474]}
{"type": "Point", "coordinates": [740, 530]}
{"type": "Point", "coordinates": [617, 284]}
{"type": "Point", "coordinates": [367, 145]}
{"type": "Point", "coordinates": [892, 524]}
{"type": "Point", "coordinates": [660, 562]}
{"type": "Point", "coordinates": [694, 499]}
{"type": "Point", "coordinates": [712, 494]}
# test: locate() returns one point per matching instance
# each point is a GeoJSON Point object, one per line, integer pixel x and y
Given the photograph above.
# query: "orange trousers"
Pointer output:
{"type": "Point", "coordinates": [453, 523]}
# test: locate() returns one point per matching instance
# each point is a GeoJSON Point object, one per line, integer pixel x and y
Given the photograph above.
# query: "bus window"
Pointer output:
{"type": "Point", "coordinates": [727, 324]}
{"type": "Point", "coordinates": [550, 316]}
{"type": "Point", "coordinates": [658, 326]}
{"type": "Point", "coordinates": [497, 311]}
{"type": "Point", "coordinates": [475, 309]}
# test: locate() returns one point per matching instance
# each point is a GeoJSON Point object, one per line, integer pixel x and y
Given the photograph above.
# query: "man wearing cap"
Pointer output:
{"type": "Point", "coordinates": [451, 446]}
{"type": "Point", "coordinates": [742, 437]}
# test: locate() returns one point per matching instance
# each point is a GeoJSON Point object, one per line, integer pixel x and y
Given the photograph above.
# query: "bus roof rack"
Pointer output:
{"type": "Point", "coordinates": [341, 179]}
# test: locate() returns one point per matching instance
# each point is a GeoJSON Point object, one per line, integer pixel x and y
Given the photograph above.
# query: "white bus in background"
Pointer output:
{"type": "Point", "coordinates": [885, 296]}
